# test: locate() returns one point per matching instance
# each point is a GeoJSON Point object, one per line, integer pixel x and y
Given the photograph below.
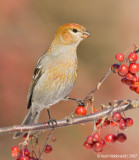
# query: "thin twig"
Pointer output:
{"type": "Point", "coordinates": [89, 97]}
{"type": "Point", "coordinates": [46, 142]}
{"type": "Point", "coordinates": [122, 105]}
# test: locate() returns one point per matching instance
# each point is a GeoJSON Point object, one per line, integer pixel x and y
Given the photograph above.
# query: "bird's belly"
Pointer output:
{"type": "Point", "coordinates": [54, 87]}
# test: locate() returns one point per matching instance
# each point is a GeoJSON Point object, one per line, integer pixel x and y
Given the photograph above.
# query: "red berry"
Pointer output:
{"type": "Point", "coordinates": [133, 88]}
{"type": "Point", "coordinates": [123, 69]}
{"type": "Point", "coordinates": [136, 84]}
{"type": "Point", "coordinates": [122, 124]}
{"type": "Point", "coordinates": [96, 136]}
{"type": "Point", "coordinates": [106, 122]}
{"type": "Point", "coordinates": [102, 142]}
{"type": "Point", "coordinates": [98, 147]}
{"type": "Point", "coordinates": [121, 137]}
{"type": "Point", "coordinates": [23, 158]}
{"type": "Point", "coordinates": [89, 139]}
{"type": "Point", "coordinates": [80, 111]}
{"type": "Point", "coordinates": [134, 67]}
{"type": "Point", "coordinates": [25, 136]}
{"type": "Point", "coordinates": [130, 76]}
{"type": "Point", "coordinates": [98, 121]}
{"type": "Point", "coordinates": [48, 149]}
{"type": "Point", "coordinates": [115, 68]}
{"type": "Point", "coordinates": [18, 158]}
{"type": "Point", "coordinates": [132, 57]}
{"type": "Point", "coordinates": [137, 90]}
{"type": "Point", "coordinates": [15, 151]}
{"type": "Point", "coordinates": [14, 154]}
{"type": "Point", "coordinates": [119, 57]}
{"type": "Point", "coordinates": [116, 116]}
{"type": "Point", "coordinates": [110, 138]}
{"type": "Point", "coordinates": [25, 152]}
{"type": "Point", "coordinates": [113, 123]}
{"type": "Point", "coordinates": [87, 145]}
{"type": "Point", "coordinates": [129, 122]}
{"type": "Point", "coordinates": [126, 81]}
{"type": "Point", "coordinates": [136, 79]}
{"type": "Point", "coordinates": [54, 139]}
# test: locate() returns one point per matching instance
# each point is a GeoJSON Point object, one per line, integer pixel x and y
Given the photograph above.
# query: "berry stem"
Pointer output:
{"type": "Point", "coordinates": [90, 96]}
{"type": "Point", "coordinates": [128, 49]}
{"type": "Point", "coordinates": [94, 127]}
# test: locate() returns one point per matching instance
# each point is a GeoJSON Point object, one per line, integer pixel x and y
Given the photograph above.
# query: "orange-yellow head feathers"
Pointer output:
{"type": "Point", "coordinates": [71, 33]}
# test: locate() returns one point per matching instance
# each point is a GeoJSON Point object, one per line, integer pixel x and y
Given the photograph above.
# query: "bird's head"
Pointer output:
{"type": "Point", "coordinates": [71, 33]}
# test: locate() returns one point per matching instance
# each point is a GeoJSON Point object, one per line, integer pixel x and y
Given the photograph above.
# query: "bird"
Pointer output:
{"type": "Point", "coordinates": [55, 73]}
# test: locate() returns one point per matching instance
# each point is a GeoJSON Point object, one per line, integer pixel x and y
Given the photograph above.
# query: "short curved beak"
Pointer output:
{"type": "Point", "coordinates": [86, 34]}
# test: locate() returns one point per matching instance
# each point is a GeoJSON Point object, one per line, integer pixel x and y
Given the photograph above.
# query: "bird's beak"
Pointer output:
{"type": "Point", "coordinates": [86, 34]}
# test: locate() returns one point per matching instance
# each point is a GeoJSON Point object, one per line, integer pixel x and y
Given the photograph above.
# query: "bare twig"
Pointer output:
{"type": "Point", "coordinates": [122, 105]}
{"type": "Point", "coordinates": [46, 142]}
{"type": "Point", "coordinates": [89, 97]}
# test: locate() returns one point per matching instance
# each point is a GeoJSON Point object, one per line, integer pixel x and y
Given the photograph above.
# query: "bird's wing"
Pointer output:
{"type": "Point", "coordinates": [37, 74]}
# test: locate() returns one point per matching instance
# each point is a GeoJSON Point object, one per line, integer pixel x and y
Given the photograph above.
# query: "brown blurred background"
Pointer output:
{"type": "Point", "coordinates": [27, 28]}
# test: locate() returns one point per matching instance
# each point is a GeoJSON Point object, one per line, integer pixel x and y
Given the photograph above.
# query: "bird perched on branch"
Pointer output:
{"type": "Point", "coordinates": [55, 72]}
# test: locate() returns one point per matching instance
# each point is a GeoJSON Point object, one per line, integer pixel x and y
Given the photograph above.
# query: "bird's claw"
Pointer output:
{"type": "Point", "coordinates": [52, 122]}
{"type": "Point", "coordinates": [80, 102]}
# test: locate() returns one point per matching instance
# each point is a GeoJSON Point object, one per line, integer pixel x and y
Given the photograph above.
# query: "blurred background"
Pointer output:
{"type": "Point", "coordinates": [27, 28]}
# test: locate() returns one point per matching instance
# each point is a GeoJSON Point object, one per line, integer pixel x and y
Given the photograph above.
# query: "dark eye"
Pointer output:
{"type": "Point", "coordinates": [74, 30]}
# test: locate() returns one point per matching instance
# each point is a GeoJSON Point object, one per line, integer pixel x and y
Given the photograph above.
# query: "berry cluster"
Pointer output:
{"type": "Point", "coordinates": [24, 153]}
{"type": "Point", "coordinates": [128, 69]}
{"type": "Point", "coordinates": [95, 140]}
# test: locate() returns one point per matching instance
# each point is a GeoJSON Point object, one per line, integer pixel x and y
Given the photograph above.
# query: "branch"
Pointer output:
{"type": "Point", "coordinates": [120, 106]}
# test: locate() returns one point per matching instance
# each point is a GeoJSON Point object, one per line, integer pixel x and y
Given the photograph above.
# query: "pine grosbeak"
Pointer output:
{"type": "Point", "coordinates": [55, 73]}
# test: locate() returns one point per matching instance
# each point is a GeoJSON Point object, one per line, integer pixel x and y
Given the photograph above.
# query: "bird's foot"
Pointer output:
{"type": "Point", "coordinates": [79, 101]}
{"type": "Point", "coordinates": [52, 122]}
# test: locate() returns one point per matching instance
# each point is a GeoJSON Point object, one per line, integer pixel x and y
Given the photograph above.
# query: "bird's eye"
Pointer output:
{"type": "Point", "coordinates": [74, 30]}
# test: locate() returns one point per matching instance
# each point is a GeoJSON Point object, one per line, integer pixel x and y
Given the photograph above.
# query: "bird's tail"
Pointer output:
{"type": "Point", "coordinates": [29, 119]}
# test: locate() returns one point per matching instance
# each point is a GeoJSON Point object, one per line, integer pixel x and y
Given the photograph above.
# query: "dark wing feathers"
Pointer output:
{"type": "Point", "coordinates": [36, 76]}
